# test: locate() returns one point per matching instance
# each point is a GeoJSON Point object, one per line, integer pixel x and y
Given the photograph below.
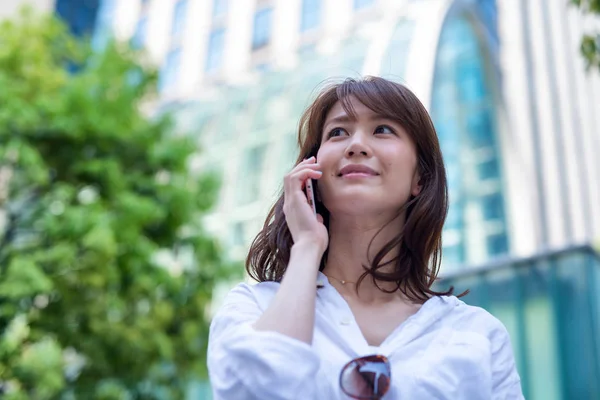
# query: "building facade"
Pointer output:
{"type": "Point", "coordinates": [515, 110]}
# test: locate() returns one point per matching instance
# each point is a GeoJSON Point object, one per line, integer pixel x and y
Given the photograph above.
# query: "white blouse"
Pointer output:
{"type": "Point", "coordinates": [446, 351]}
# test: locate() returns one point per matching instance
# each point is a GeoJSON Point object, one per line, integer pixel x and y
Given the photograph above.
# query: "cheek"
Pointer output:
{"type": "Point", "coordinates": [401, 166]}
{"type": "Point", "coordinates": [326, 160]}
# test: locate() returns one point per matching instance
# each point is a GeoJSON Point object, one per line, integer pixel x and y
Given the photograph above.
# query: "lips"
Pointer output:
{"type": "Point", "coordinates": [357, 169]}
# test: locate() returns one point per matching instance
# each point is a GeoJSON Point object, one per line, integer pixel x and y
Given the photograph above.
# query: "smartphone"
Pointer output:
{"type": "Point", "coordinates": [310, 195]}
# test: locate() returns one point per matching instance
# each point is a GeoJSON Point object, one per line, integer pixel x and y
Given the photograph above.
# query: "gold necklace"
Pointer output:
{"type": "Point", "coordinates": [343, 282]}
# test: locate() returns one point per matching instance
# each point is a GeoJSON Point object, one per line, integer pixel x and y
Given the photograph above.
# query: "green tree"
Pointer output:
{"type": "Point", "coordinates": [590, 43]}
{"type": "Point", "coordinates": [94, 197]}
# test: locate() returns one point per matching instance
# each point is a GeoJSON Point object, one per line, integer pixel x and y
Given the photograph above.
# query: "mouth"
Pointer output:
{"type": "Point", "coordinates": [357, 171]}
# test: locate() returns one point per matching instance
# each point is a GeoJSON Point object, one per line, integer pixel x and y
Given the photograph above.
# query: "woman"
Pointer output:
{"type": "Point", "coordinates": [345, 307]}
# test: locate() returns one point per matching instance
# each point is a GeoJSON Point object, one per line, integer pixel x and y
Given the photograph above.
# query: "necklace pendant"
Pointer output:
{"type": "Point", "coordinates": [343, 282]}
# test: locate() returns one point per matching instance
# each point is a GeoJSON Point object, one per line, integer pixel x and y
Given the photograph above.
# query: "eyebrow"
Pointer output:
{"type": "Point", "coordinates": [345, 118]}
{"type": "Point", "coordinates": [340, 119]}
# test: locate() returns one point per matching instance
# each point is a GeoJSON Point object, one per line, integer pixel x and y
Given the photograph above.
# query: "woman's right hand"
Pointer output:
{"type": "Point", "coordinates": [301, 221]}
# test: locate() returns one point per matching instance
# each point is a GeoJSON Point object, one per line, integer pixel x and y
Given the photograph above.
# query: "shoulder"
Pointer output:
{"type": "Point", "coordinates": [465, 317]}
{"type": "Point", "coordinates": [243, 304]}
{"type": "Point", "coordinates": [259, 294]}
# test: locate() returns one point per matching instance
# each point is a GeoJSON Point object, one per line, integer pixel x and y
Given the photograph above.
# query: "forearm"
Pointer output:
{"type": "Point", "coordinates": [292, 311]}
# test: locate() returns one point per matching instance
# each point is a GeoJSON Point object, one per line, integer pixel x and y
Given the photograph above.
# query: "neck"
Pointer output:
{"type": "Point", "coordinates": [354, 242]}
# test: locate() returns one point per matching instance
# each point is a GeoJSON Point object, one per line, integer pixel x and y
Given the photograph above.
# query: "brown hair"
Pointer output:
{"type": "Point", "coordinates": [420, 241]}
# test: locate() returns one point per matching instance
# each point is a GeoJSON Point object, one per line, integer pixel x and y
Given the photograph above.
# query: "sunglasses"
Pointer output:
{"type": "Point", "coordinates": [367, 378]}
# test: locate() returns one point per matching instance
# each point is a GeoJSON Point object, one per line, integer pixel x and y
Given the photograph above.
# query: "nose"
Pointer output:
{"type": "Point", "coordinates": [358, 146]}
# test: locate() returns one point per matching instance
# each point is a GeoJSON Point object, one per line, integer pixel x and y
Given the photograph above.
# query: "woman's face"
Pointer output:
{"type": "Point", "coordinates": [369, 164]}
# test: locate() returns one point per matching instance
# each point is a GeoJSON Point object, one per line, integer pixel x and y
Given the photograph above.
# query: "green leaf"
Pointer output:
{"type": "Point", "coordinates": [24, 278]}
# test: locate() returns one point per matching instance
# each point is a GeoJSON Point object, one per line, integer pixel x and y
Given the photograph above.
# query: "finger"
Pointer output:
{"type": "Point", "coordinates": [295, 181]}
{"type": "Point", "coordinates": [320, 218]}
{"type": "Point", "coordinates": [309, 160]}
{"type": "Point", "coordinates": [304, 166]}
{"type": "Point", "coordinates": [302, 176]}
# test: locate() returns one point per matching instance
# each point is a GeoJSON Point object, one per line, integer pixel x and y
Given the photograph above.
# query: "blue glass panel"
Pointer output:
{"type": "Point", "coordinates": [480, 129]}
{"type": "Point", "coordinates": [139, 37]}
{"type": "Point", "coordinates": [497, 244]}
{"type": "Point", "coordinates": [80, 16]}
{"type": "Point", "coordinates": [215, 50]}
{"type": "Point", "coordinates": [489, 14]}
{"type": "Point", "coordinates": [219, 7]}
{"type": "Point", "coordinates": [311, 14]}
{"type": "Point", "coordinates": [262, 27]}
{"type": "Point", "coordinates": [493, 206]}
{"type": "Point", "coordinates": [103, 31]}
{"type": "Point", "coordinates": [263, 67]}
{"type": "Point", "coordinates": [170, 69]}
{"type": "Point", "coordinates": [362, 3]}
{"type": "Point", "coordinates": [488, 170]}
{"type": "Point", "coordinates": [179, 17]}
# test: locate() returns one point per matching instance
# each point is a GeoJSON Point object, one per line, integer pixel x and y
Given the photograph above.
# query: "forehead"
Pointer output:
{"type": "Point", "coordinates": [350, 107]}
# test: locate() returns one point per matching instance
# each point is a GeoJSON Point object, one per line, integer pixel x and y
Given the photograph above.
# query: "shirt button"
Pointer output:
{"type": "Point", "coordinates": [345, 321]}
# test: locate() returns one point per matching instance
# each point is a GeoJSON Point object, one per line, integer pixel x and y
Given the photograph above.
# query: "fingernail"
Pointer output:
{"type": "Point", "coordinates": [320, 172]}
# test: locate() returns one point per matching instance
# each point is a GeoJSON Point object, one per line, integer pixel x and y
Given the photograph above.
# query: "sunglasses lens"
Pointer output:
{"type": "Point", "coordinates": [366, 378]}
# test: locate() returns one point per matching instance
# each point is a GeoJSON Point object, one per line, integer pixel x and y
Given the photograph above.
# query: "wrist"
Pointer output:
{"type": "Point", "coordinates": [309, 246]}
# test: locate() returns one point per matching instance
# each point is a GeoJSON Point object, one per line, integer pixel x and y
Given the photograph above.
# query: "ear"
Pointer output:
{"type": "Point", "coordinates": [416, 185]}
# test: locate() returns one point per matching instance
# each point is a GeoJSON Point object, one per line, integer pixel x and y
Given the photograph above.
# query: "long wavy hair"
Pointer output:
{"type": "Point", "coordinates": [418, 244]}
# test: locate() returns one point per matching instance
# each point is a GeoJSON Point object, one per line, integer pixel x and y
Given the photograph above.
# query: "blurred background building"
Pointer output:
{"type": "Point", "coordinates": [515, 110]}
{"type": "Point", "coordinates": [517, 115]}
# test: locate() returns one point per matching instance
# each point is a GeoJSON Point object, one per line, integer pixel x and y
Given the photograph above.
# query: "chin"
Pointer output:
{"type": "Point", "coordinates": [358, 204]}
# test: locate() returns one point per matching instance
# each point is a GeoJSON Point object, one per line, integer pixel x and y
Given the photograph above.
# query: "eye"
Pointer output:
{"type": "Point", "coordinates": [336, 132]}
{"type": "Point", "coordinates": [384, 129]}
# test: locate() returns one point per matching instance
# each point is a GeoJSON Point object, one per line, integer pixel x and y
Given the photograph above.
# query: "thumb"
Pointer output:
{"type": "Point", "coordinates": [319, 218]}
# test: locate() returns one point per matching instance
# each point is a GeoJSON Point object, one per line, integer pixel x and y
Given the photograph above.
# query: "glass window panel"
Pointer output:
{"type": "Point", "coordinates": [493, 206]}
{"type": "Point", "coordinates": [262, 28]}
{"type": "Point", "coordinates": [219, 7]}
{"type": "Point", "coordinates": [542, 356]}
{"type": "Point", "coordinates": [362, 3]}
{"type": "Point", "coordinates": [179, 17]}
{"type": "Point", "coordinates": [479, 126]}
{"type": "Point", "coordinates": [263, 67]}
{"type": "Point", "coordinates": [497, 244]}
{"type": "Point", "coordinates": [576, 328]}
{"type": "Point", "coordinates": [170, 69]}
{"type": "Point", "coordinates": [311, 14]}
{"type": "Point", "coordinates": [79, 16]}
{"type": "Point", "coordinates": [214, 56]}
{"type": "Point", "coordinates": [139, 37]}
{"type": "Point", "coordinates": [488, 169]}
